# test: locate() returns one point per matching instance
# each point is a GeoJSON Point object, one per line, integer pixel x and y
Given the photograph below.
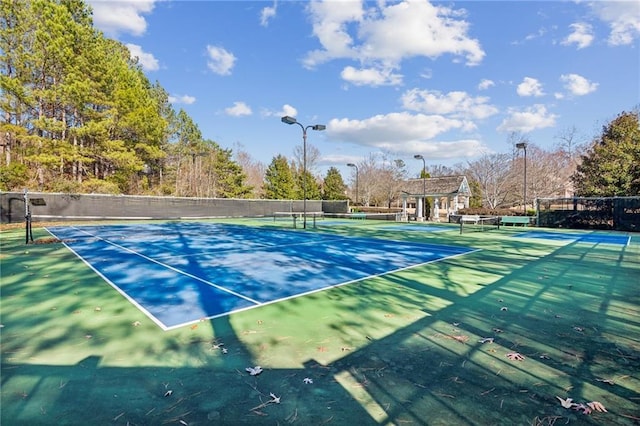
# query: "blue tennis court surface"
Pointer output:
{"type": "Point", "coordinates": [583, 238]}
{"type": "Point", "coordinates": [179, 273]}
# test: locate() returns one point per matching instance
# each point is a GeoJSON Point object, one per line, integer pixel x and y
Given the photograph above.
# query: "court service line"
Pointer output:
{"type": "Point", "coordinates": [131, 300]}
{"type": "Point", "coordinates": [226, 290]}
{"type": "Point", "coordinates": [321, 289]}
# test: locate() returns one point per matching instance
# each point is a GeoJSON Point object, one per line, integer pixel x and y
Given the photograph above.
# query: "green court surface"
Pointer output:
{"type": "Point", "coordinates": [493, 337]}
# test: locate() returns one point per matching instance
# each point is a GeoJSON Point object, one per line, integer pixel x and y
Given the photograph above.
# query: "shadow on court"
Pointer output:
{"type": "Point", "coordinates": [404, 348]}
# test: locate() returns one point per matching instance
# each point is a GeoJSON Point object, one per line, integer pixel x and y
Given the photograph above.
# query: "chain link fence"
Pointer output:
{"type": "Point", "coordinates": [611, 213]}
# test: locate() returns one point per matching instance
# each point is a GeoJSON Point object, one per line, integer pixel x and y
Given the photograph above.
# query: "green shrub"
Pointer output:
{"type": "Point", "coordinates": [13, 177]}
{"type": "Point", "coordinates": [99, 186]}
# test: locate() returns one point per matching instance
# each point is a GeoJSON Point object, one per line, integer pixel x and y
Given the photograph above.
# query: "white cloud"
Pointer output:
{"type": "Point", "coordinates": [531, 36]}
{"type": "Point", "coordinates": [427, 73]}
{"type": "Point", "coordinates": [457, 104]}
{"type": "Point", "coordinates": [145, 59]}
{"type": "Point", "coordinates": [577, 85]}
{"type": "Point", "coordinates": [370, 77]}
{"type": "Point", "coordinates": [405, 134]}
{"type": "Point", "coordinates": [286, 110]}
{"type": "Point", "coordinates": [623, 18]}
{"type": "Point", "coordinates": [582, 35]}
{"type": "Point", "coordinates": [238, 109]}
{"type": "Point", "coordinates": [535, 117]}
{"type": "Point", "coordinates": [267, 13]}
{"type": "Point", "coordinates": [182, 99]}
{"type": "Point", "coordinates": [530, 87]}
{"type": "Point", "coordinates": [220, 60]}
{"type": "Point", "coordinates": [386, 34]}
{"type": "Point", "coordinates": [117, 17]}
{"type": "Point", "coordinates": [485, 84]}
{"type": "Point", "coordinates": [388, 130]}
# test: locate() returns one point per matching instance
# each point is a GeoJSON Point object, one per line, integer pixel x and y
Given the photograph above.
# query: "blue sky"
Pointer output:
{"type": "Point", "coordinates": [448, 80]}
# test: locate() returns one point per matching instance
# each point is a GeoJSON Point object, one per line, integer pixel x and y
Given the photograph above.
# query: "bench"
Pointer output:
{"type": "Point", "coordinates": [470, 218]}
{"type": "Point", "coordinates": [515, 220]}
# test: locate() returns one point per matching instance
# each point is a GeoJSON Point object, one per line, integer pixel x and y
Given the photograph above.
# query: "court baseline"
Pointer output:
{"type": "Point", "coordinates": [222, 269]}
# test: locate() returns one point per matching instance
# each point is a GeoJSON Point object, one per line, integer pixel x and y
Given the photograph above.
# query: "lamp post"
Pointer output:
{"type": "Point", "coordinates": [291, 120]}
{"type": "Point", "coordinates": [356, 167]}
{"type": "Point", "coordinates": [523, 146]}
{"type": "Point", "coordinates": [424, 183]}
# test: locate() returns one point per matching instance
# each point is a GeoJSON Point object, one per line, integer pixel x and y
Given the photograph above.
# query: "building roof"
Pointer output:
{"type": "Point", "coordinates": [440, 186]}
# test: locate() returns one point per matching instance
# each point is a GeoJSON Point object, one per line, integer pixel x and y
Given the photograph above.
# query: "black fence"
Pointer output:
{"type": "Point", "coordinates": [614, 213]}
{"type": "Point", "coordinates": [67, 207]}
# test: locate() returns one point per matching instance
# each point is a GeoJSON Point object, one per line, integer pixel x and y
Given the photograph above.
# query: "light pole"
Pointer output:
{"type": "Point", "coordinates": [291, 120]}
{"type": "Point", "coordinates": [523, 146]}
{"type": "Point", "coordinates": [424, 183]}
{"type": "Point", "coordinates": [356, 167]}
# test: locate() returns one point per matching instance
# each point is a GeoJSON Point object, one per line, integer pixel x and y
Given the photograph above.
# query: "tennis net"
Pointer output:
{"type": "Point", "coordinates": [478, 224]}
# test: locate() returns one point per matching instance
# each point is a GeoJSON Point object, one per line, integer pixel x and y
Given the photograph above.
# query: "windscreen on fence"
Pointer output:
{"type": "Point", "coordinates": [612, 213]}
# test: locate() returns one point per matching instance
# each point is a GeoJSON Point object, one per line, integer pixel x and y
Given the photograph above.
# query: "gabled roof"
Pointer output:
{"type": "Point", "coordinates": [440, 186]}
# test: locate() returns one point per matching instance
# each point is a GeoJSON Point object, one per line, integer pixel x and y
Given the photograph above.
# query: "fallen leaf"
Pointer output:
{"type": "Point", "coordinates": [566, 403]}
{"type": "Point", "coordinates": [254, 371]}
{"type": "Point", "coordinates": [596, 406]}
{"type": "Point", "coordinates": [515, 356]}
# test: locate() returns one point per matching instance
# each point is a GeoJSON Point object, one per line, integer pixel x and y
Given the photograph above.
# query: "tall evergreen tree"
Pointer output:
{"type": "Point", "coordinates": [75, 106]}
{"type": "Point", "coordinates": [334, 187]}
{"type": "Point", "coordinates": [312, 189]}
{"type": "Point", "coordinates": [279, 183]}
{"type": "Point", "coordinates": [611, 166]}
{"type": "Point", "coordinates": [230, 179]}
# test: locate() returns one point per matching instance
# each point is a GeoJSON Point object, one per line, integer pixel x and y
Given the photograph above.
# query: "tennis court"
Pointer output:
{"type": "Point", "coordinates": [360, 322]}
{"type": "Point", "coordinates": [181, 274]}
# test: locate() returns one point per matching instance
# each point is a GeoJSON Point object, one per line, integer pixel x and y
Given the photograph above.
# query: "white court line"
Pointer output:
{"type": "Point", "coordinates": [256, 303]}
{"type": "Point", "coordinates": [168, 267]}
{"type": "Point", "coordinates": [317, 290]}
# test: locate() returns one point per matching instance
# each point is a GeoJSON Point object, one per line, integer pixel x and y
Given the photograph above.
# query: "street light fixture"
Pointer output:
{"type": "Point", "coordinates": [356, 167]}
{"type": "Point", "coordinates": [523, 146]}
{"type": "Point", "coordinates": [424, 183]}
{"type": "Point", "coordinates": [291, 120]}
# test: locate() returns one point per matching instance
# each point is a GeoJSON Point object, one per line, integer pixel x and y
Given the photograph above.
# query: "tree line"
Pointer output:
{"type": "Point", "coordinates": [78, 114]}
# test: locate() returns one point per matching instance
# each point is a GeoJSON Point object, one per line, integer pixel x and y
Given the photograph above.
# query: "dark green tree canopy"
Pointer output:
{"type": "Point", "coordinates": [79, 115]}
{"type": "Point", "coordinates": [279, 182]}
{"type": "Point", "coordinates": [334, 187]}
{"type": "Point", "coordinates": [312, 189]}
{"type": "Point", "coordinates": [611, 166]}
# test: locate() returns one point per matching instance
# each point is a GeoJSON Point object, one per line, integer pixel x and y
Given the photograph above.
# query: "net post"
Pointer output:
{"type": "Point", "coordinates": [27, 218]}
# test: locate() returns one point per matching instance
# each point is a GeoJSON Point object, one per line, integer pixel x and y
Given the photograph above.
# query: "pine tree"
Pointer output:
{"type": "Point", "coordinates": [334, 187]}
{"type": "Point", "coordinates": [312, 189]}
{"type": "Point", "coordinates": [279, 183]}
{"type": "Point", "coordinates": [230, 178]}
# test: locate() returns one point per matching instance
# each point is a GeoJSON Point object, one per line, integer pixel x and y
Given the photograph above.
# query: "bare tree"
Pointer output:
{"type": "Point", "coordinates": [494, 173]}
{"type": "Point", "coordinates": [441, 170]}
{"type": "Point", "coordinates": [571, 146]}
{"type": "Point", "coordinates": [254, 170]}
{"type": "Point", "coordinates": [547, 176]}
{"type": "Point", "coordinates": [367, 179]}
{"type": "Point", "coordinates": [313, 154]}
{"type": "Point", "coordinates": [514, 139]}
{"type": "Point", "coordinates": [391, 175]}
